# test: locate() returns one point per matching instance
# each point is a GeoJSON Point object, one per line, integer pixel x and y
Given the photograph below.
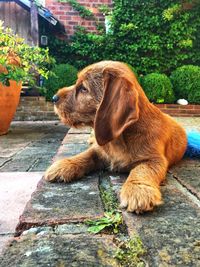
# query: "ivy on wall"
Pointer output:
{"type": "Point", "coordinates": [83, 11]}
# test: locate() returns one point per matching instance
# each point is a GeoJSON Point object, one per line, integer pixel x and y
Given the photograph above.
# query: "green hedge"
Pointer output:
{"type": "Point", "coordinates": [158, 88]}
{"type": "Point", "coordinates": [186, 83]}
{"type": "Point", "coordinates": [61, 75]}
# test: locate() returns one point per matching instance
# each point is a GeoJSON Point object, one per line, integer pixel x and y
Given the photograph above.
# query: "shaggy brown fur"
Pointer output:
{"type": "Point", "coordinates": [132, 135]}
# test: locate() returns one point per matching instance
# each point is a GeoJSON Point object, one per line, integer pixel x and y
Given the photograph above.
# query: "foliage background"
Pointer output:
{"type": "Point", "coordinates": [152, 36]}
{"type": "Point", "coordinates": [19, 61]}
{"type": "Point", "coordinates": [61, 75]}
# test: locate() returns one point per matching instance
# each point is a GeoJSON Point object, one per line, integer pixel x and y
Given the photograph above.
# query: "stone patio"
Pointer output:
{"type": "Point", "coordinates": [51, 229]}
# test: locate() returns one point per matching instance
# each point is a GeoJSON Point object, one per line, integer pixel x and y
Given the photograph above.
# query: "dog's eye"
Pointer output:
{"type": "Point", "coordinates": [82, 89]}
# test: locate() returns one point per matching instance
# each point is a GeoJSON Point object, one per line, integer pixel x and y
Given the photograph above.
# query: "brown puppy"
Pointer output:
{"type": "Point", "coordinates": [131, 134]}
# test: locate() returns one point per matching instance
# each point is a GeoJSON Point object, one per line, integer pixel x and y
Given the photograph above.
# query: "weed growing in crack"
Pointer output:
{"type": "Point", "coordinates": [130, 250]}
{"type": "Point", "coordinates": [111, 220]}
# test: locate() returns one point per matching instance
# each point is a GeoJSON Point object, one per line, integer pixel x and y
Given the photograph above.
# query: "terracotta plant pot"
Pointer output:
{"type": "Point", "coordinates": [9, 96]}
{"type": "Point", "coordinates": [9, 100]}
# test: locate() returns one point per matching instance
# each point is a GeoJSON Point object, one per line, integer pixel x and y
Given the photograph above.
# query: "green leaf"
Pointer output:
{"type": "Point", "coordinates": [111, 219]}
{"type": "Point", "coordinates": [97, 228]}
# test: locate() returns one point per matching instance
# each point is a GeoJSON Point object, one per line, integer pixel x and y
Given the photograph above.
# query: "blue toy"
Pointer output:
{"type": "Point", "coordinates": [193, 147]}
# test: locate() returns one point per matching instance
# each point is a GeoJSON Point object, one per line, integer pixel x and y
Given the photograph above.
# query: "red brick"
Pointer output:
{"type": "Point", "coordinates": [76, 18]}
{"type": "Point", "coordinates": [196, 106]}
{"type": "Point", "coordinates": [74, 13]}
{"type": "Point", "coordinates": [170, 111]}
{"type": "Point", "coordinates": [72, 23]}
{"type": "Point", "coordinates": [59, 12]}
{"type": "Point", "coordinates": [187, 107]}
{"type": "Point", "coordinates": [91, 28]}
{"type": "Point", "coordinates": [52, 7]}
{"type": "Point", "coordinates": [195, 111]}
{"type": "Point", "coordinates": [172, 106]}
{"type": "Point", "coordinates": [63, 17]}
{"type": "Point", "coordinates": [160, 105]}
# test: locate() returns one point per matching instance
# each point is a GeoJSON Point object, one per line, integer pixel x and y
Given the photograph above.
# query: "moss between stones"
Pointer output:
{"type": "Point", "coordinates": [108, 197]}
{"type": "Point", "coordinates": [129, 249]}
{"type": "Point", "coordinates": [130, 252]}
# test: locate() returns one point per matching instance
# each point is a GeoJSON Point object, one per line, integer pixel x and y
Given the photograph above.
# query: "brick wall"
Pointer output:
{"type": "Point", "coordinates": [33, 108]}
{"type": "Point", "coordinates": [70, 18]}
{"type": "Point", "coordinates": [179, 110]}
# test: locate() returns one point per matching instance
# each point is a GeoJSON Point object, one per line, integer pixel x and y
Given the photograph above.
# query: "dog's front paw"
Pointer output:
{"type": "Point", "coordinates": [62, 170]}
{"type": "Point", "coordinates": [139, 197]}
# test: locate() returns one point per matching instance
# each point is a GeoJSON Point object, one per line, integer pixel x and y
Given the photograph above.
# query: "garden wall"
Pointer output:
{"type": "Point", "coordinates": [36, 108]}
{"type": "Point", "coordinates": [179, 110]}
{"type": "Point", "coordinates": [70, 18]}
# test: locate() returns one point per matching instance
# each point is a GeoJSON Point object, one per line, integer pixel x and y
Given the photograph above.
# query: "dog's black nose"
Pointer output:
{"type": "Point", "coordinates": [55, 98]}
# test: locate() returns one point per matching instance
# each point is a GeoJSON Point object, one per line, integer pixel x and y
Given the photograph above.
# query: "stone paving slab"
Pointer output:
{"type": "Point", "coordinates": [171, 233]}
{"type": "Point", "coordinates": [50, 249]}
{"type": "Point", "coordinates": [4, 242]}
{"type": "Point", "coordinates": [30, 146]}
{"type": "Point", "coordinates": [85, 130]}
{"type": "Point", "coordinates": [76, 139]}
{"type": "Point", "coordinates": [15, 191]}
{"type": "Point", "coordinates": [73, 144]}
{"type": "Point", "coordinates": [187, 172]}
{"type": "Point", "coordinates": [56, 203]}
{"type": "Point", "coordinates": [69, 150]}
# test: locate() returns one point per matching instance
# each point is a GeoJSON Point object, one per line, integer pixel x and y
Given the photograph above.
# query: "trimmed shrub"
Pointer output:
{"type": "Point", "coordinates": [61, 75]}
{"type": "Point", "coordinates": [158, 88]}
{"type": "Point", "coordinates": [186, 83]}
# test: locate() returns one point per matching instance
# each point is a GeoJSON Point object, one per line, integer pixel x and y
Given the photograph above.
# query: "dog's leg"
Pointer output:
{"type": "Point", "coordinates": [69, 169]}
{"type": "Point", "coordinates": [141, 190]}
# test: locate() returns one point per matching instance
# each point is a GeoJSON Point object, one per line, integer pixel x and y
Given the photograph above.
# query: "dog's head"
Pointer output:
{"type": "Point", "coordinates": [105, 97]}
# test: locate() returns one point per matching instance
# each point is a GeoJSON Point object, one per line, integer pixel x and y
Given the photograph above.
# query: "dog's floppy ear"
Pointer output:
{"type": "Point", "coordinates": [118, 108]}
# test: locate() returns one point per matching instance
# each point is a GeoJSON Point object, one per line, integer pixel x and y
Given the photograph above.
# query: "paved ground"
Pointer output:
{"type": "Point", "coordinates": [28, 147]}
{"type": "Point", "coordinates": [15, 191]}
{"type": "Point", "coordinates": [51, 230]}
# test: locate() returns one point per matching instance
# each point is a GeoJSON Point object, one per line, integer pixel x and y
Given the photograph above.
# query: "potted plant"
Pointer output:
{"type": "Point", "coordinates": [19, 62]}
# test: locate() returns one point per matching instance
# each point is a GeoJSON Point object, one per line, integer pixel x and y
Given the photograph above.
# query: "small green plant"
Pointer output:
{"type": "Point", "coordinates": [61, 75]}
{"type": "Point", "coordinates": [158, 88]}
{"type": "Point", "coordinates": [186, 83]}
{"type": "Point", "coordinates": [111, 220]}
{"type": "Point", "coordinates": [129, 252]}
{"type": "Point", "coordinates": [19, 61]}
